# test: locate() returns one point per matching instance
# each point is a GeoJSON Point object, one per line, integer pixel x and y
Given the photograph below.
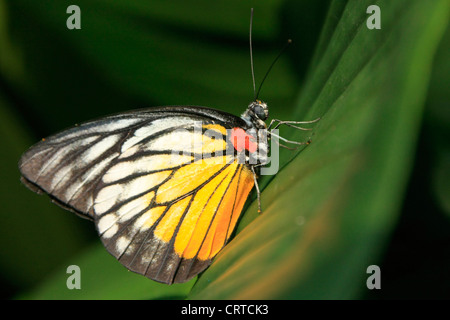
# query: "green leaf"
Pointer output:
{"type": "Point", "coordinates": [102, 277]}
{"type": "Point", "coordinates": [330, 210]}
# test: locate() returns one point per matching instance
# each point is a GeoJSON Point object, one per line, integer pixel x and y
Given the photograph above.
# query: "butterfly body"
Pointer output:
{"type": "Point", "coordinates": [164, 186]}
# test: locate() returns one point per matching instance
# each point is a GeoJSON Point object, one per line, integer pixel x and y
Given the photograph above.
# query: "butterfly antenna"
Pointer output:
{"type": "Point", "coordinates": [251, 54]}
{"type": "Point", "coordinates": [273, 63]}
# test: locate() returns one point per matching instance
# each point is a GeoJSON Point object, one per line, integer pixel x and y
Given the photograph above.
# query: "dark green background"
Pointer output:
{"type": "Point", "coordinates": [374, 184]}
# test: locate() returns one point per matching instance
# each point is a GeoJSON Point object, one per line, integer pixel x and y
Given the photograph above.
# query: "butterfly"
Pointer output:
{"type": "Point", "coordinates": [164, 186]}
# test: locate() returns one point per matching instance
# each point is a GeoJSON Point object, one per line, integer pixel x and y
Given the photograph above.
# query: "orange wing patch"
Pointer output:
{"type": "Point", "coordinates": [213, 194]}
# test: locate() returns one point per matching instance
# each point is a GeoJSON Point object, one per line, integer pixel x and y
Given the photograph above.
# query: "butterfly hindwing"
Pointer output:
{"type": "Point", "coordinates": [159, 184]}
{"type": "Point", "coordinates": [171, 230]}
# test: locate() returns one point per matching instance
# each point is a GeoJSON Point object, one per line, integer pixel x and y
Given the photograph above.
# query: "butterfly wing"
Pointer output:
{"type": "Point", "coordinates": [159, 185]}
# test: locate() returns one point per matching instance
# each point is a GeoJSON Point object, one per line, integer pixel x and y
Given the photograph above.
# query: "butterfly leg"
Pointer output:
{"type": "Point", "coordinates": [258, 193]}
{"type": "Point", "coordinates": [291, 124]}
{"type": "Point", "coordinates": [289, 141]}
{"type": "Point", "coordinates": [284, 146]}
{"type": "Point", "coordinates": [276, 123]}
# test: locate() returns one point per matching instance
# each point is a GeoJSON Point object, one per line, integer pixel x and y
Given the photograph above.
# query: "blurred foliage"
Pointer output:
{"type": "Point", "coordinates": [437, 122]}
{"type": "Point", "coordinates": [332, 209]}
{"type": "Point", "coordinates": [417, 261]}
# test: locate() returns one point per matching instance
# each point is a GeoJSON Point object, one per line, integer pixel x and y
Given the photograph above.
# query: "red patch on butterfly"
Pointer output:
{"type": "Point", "coordinates": [241, 140]}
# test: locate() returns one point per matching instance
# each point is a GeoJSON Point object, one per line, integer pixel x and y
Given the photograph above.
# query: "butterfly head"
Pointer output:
{"type": "Point", "coordinates": [256, 114]}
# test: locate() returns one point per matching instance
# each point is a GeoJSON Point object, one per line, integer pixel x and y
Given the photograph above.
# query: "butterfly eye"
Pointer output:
{"type": "Point", "coordinates": [260, 112]}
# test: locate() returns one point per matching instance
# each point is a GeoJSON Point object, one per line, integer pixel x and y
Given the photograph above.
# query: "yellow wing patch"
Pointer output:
{"type": "Point", "coordinates": [216, 127]}
{"type": "Point", "coordinates": [189, 177]}
{"type": "Point", "coordinates": [166, 228]}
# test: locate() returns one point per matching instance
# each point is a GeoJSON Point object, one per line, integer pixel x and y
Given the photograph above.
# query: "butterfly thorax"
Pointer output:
{"type": "Point", "coordinates": [256, 114]}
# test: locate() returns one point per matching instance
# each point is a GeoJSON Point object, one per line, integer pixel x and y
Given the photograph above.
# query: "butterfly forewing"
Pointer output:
{"type": "Point", "coordinates": [68, 165]}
